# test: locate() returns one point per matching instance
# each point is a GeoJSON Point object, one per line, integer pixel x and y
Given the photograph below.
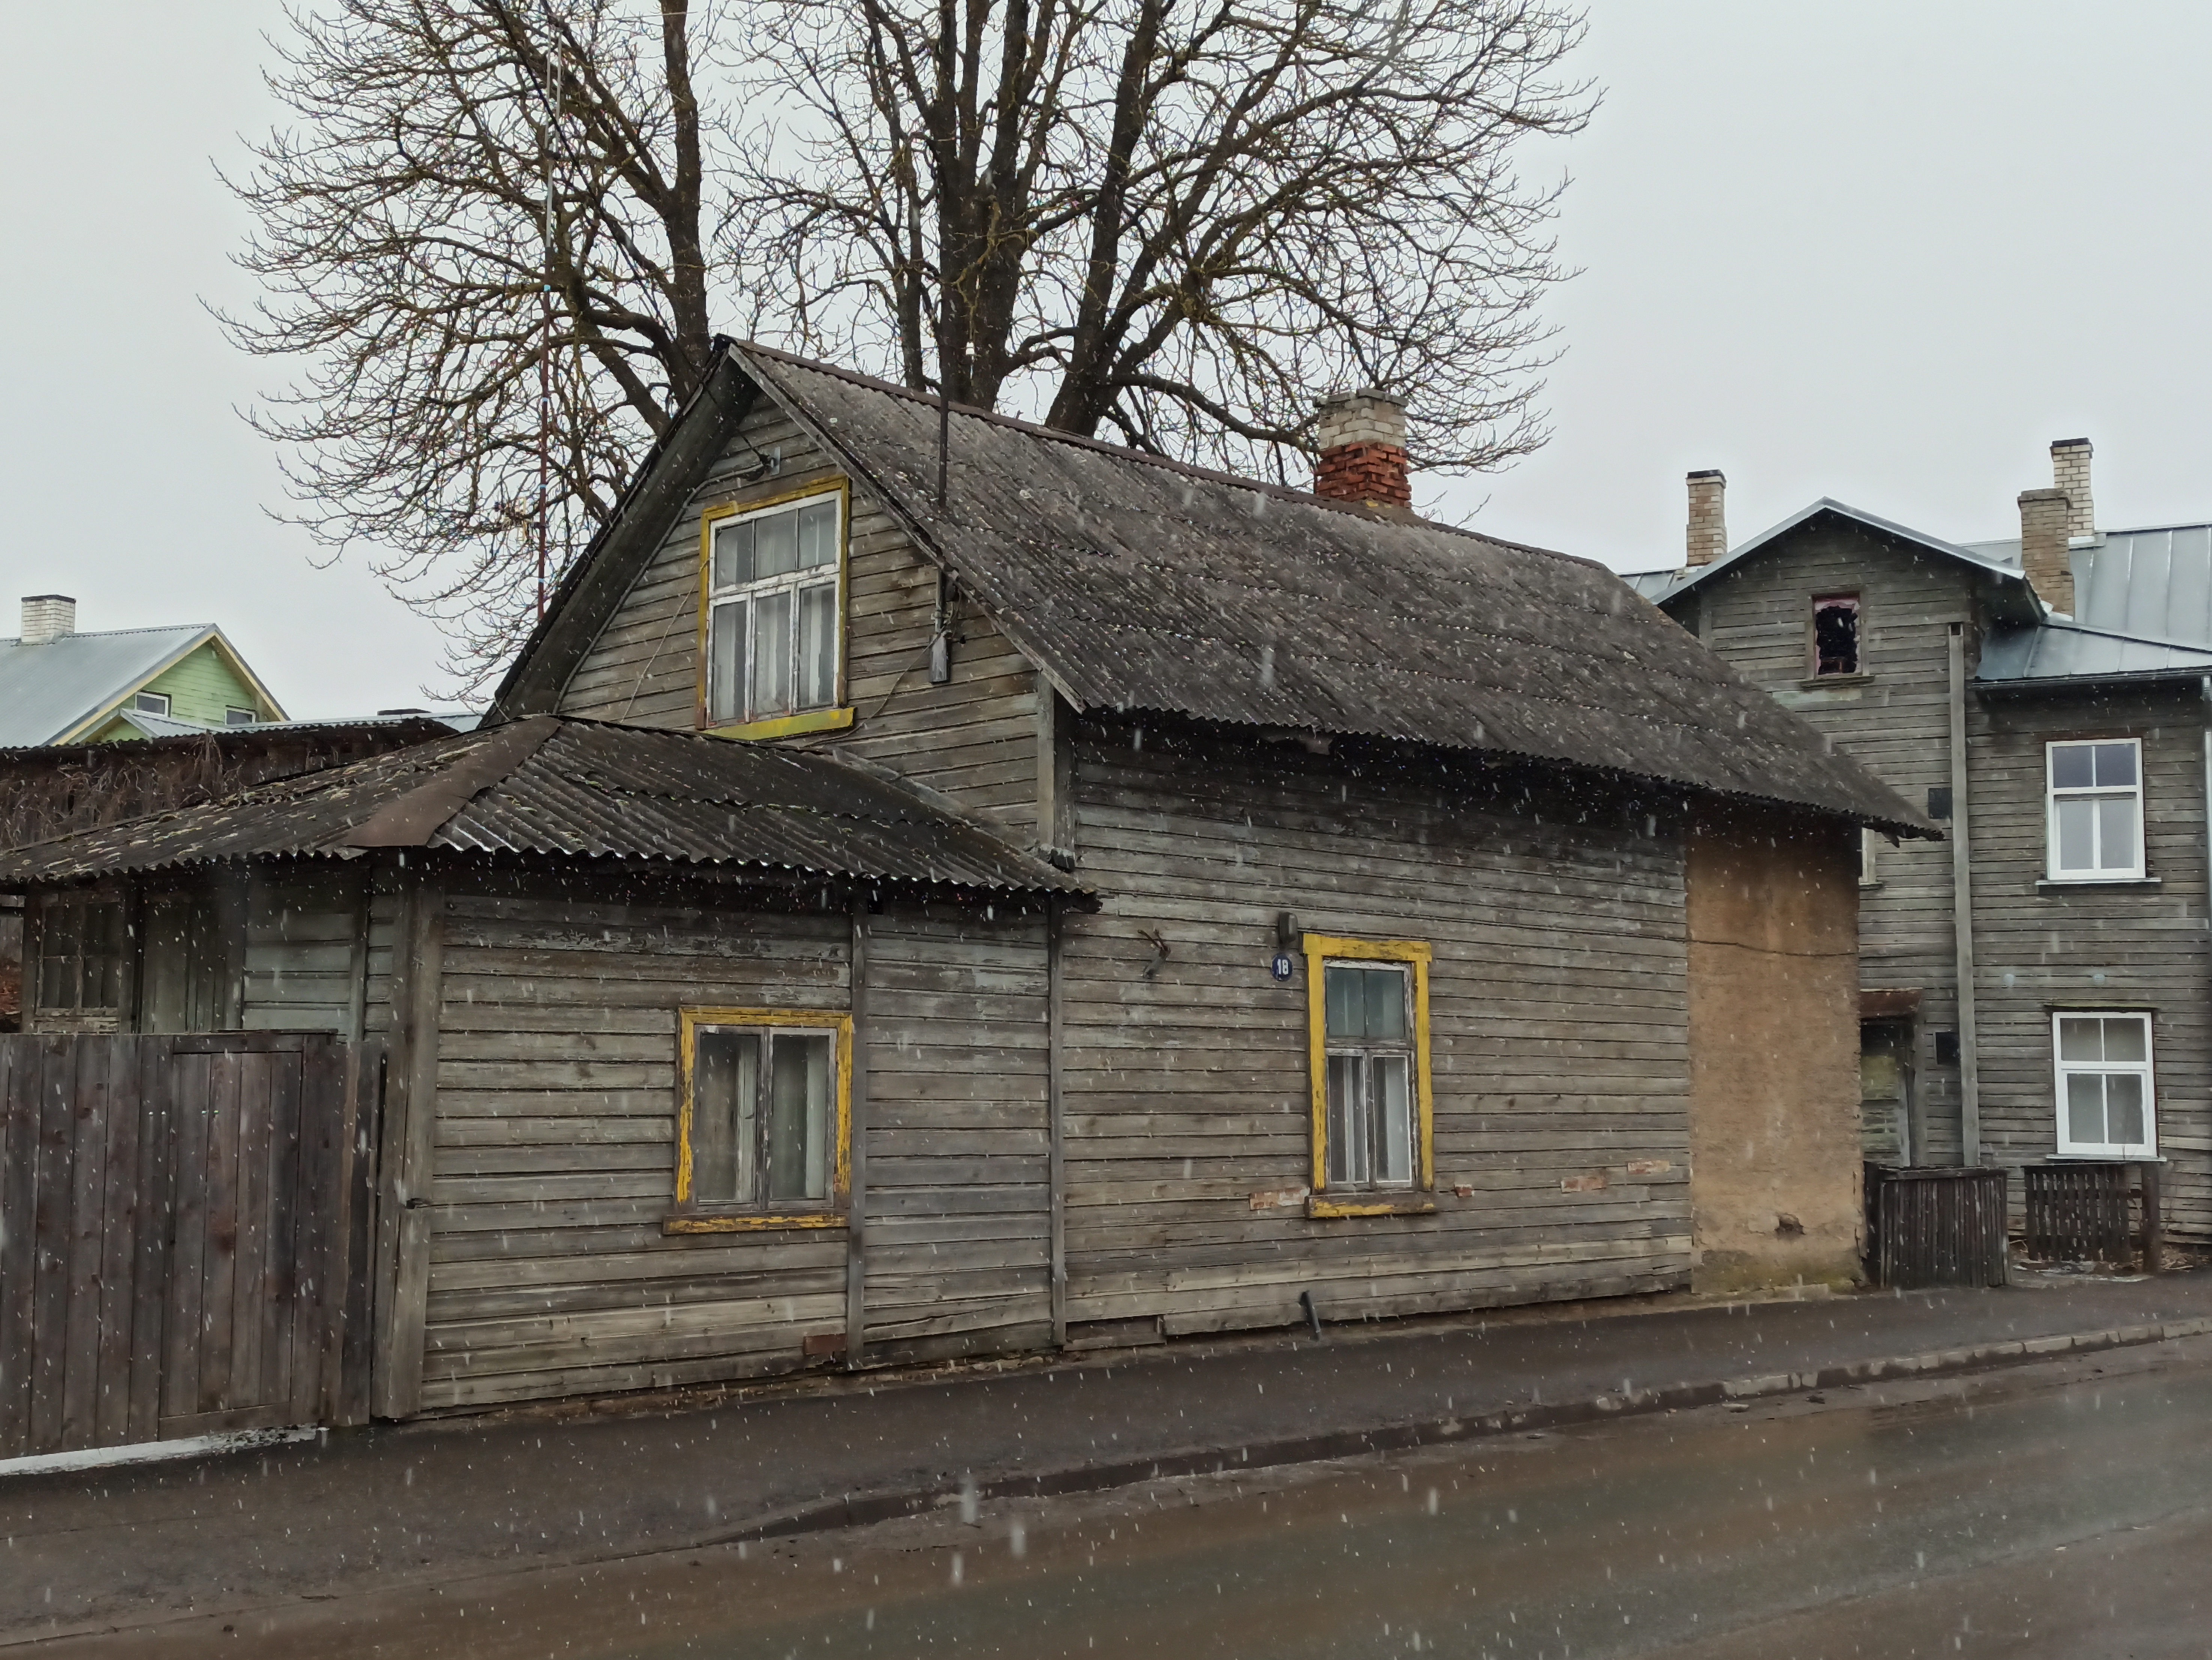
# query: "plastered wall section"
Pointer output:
{"type": "Point", "coordinates": [1772, 913]}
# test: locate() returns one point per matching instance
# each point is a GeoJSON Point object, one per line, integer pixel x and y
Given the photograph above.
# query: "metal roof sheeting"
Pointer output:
{"type": "Point", "coordinates": [1137, 584]}
{"type": "Point", "coordinates": [2062, 651]}
{"type": "Point", "coordinates": [49, 690]}
{"type": "Point", "coordinates": [573, 789]}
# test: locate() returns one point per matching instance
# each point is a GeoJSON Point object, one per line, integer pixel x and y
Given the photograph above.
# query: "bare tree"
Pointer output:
{"type": "Point", "coordinates": [488, 207]}
{"type": "Point", "coordinates": [1167, 222]}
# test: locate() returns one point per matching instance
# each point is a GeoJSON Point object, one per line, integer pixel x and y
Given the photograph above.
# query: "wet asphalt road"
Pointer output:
{"type": "Point", "coordinates": [2064, 1510]}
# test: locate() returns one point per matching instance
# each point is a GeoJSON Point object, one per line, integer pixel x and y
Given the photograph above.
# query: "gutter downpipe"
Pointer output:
{"type": "Point", "coordinates": [1962, 910]}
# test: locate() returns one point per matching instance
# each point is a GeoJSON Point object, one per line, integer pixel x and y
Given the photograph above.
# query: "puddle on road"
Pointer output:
{"type": "Point", "coordinates": [1623, 1539]}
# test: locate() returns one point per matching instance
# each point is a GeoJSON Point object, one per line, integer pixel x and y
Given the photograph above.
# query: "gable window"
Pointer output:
{"type": "Point", "coordinates": [2096, 820]}
{"type": "Point", "coordinates": [234, 716]}
{"type": "Point", "coordinates": [1836, 635]}
{"type": "Point", "coordinates": [1367, 1040]}
{"type": "Point", "coordinates": [764, 1119]}
{"type": "Point", "coordinates": [80, 953]}
{"type": "Point", "coordinates": [2104, 1070]}
{"type": "Point", "coordinates": [151, 702]}
{"type": "Point", "coordinates": [772, 634]}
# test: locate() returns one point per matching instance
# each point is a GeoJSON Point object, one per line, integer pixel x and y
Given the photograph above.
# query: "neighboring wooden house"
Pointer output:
{"type": "Point", "coordinates": [2049, 698]}
{"type": "Point", "coordinates": [57, 686]}
{"type": "Point", "coordinates": [1285, 901]}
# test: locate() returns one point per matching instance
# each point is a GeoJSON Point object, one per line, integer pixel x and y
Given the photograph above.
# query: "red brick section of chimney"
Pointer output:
{"type": "Point", "coordinates": [1362, 440]}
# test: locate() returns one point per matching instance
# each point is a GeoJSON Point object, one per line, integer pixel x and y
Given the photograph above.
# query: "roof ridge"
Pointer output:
{"type": "Point", "coordinates": [1167, 463]}
{"type": "Point", "coordinates": [112, 633]}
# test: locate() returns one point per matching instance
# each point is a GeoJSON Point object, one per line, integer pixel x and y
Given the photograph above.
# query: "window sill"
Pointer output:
{"type": "Point", "coordinates": [789, 726]}
{"type": "Point", "coordinates": [1380, 1204]}
{"type": "Point", "coordinates": [2061, 884]}
{"type": "Point", "coordinates": [696, 1222]}
{"type": "Point", "coordinates": [2105, 1159]}
{"type": "Point", "coordinates": [1822, 682]}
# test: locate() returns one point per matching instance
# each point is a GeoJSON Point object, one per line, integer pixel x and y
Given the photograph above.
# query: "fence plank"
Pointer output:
{"type": "Point", "coordinates": [286, 1169]}
{"type": "Point", "coordinates": [192, 1108]}
{"type": "Point", "coordinates": [49, 1322]}
{"type": "Point", "coordinates": [219, 1266]}
{"type": "Point", "coordinates": [149, 1297]}
{"type": "Point", "coordinates": [19, 1148]}
{"type": "Point", "coordinates": [88, 1194]}
{"type": "Point", "coordinates": [118, 1244]}
{"type": "Point", "coordinates": [325, 1111]}
{"type": "Point", "coordinates": [251, 1316]}
{"type": "Point", "coordinates": [366, 1078]}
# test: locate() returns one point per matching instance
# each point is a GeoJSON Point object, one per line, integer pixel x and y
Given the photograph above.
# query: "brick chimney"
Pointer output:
{"type": "Point", "coordinates": [1362, 440]}
{"type": "Point", "coordinates": [2069, 472]}
{"type": "Point", "coordinates": [1708, 532]}
{"type": "Point", "coordinates": [2043, 552]}
{"type": "Point", "coordinates": [48, 616]}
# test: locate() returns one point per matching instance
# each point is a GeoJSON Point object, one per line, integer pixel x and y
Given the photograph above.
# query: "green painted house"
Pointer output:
{"type": "Point", "coordinates": [58, 686]}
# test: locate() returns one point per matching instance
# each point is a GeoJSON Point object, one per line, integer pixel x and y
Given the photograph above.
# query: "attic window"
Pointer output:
{"type": "Point", "coordinates": [234, 716]}
{"type": "Point", "coordinates": [774, 581]}
{"type": "Point", "coordinates": [151, 702]}
{"type": "Point", "coordinates": [1836, 635]}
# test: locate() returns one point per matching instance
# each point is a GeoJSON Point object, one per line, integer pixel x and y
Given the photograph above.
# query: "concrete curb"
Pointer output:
{"type": "Point", "coordinates": [860, 1510]}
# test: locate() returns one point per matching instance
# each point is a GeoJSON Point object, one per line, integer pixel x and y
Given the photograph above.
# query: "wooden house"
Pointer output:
{"type": "Point", "coordinates": [2034, 989]}
{"type": "Point", "coordinates": [1202, 901]}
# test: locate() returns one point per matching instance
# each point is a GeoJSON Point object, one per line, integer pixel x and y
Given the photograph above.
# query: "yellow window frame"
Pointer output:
{"type": "Point", "coordinates": [838, 717]}
{"type": "Point", "coordinates": [1320, 949]}
{"type": "Point", "coordinates": [688, 1021]}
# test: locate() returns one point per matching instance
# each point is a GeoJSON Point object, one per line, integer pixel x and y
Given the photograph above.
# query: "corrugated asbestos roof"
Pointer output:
{"type": "Point", "coordinates": [48, 690]}
{"type": "Point", "coordinates": [1142, 585]}
{"type": "Point", "coordinates": [575, 789]}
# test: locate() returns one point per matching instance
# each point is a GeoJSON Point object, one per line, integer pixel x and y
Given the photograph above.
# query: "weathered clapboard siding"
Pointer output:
{"type": "Point", "coordinates": [555, 1151]}
{"type": "Point", "coordinates": [1758, 616]}
{"type": "Point", "coordinates": [300, 961]}
{"type": "Point", "coordinates": [2114, 948]}
{"type": "Point", "coordinates": [974, 737]}
{"type": "Point", "coordinates": [1559, 1036]}
{"type": "Point", "coordinates": [959, 1135]}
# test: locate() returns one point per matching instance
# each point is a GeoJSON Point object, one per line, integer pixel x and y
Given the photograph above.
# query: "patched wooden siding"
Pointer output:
{"type": "Point", "coordinates": [300, 961]}
{"type": "Point", "coordinates": [975, 737]}
{"type": "Point", "coordinates": [555, 1159]}
{"type": "Point", "coordinates": [2111, 947]}
{"type": "Point", "coordinates": [1758, 616]}
{"type": "Point", "coordinates": [958, 1145]}
{"type": "Point", "coordinates": [1557, 1017]}
{"type": "Point", "coordinates": [555, 1145]}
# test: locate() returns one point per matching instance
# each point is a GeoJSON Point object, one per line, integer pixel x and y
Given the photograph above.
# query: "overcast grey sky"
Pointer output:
{"type": "Point", "coordinates": [1881, 252]}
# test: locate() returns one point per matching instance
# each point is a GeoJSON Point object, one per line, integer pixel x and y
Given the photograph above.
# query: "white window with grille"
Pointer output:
{"type": "Point", "coordinates": [774, 581]}
{"type": "Point", "coordinates": [2105, 1105]}
{"type": "Point", "coordinates": [2096, 809]}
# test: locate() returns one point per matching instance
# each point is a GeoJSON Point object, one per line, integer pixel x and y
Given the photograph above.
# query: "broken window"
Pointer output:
{"type": "Point", "coordinates": [773, 634]}
{"type": "Point", "coordinates": [2103, 1072]}
{"type": "Point", "coordinates": [1374, 1112]}
{"type": "Point", "coordinates": [80, 953]}
{"type": "Point", "coordinates": [2096, 811]}
{"type": "Point", "coordinates": [1836, 635]}
{"type": "Point", "coordinates": [764, 1112]}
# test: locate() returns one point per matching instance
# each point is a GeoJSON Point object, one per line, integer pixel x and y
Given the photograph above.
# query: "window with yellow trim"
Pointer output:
{"type": "Point", "coordinates": [1368, 1007]}
{"type": "Point", "coordinates": [774, 581]}
{"type": "Point", "coordinates": [764, 1115]}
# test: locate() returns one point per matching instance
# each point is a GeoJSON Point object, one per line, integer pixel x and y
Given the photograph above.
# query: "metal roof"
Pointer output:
{"type": "Point", "coordinates": [49, 690]}
{"type": "Point", "coordinates": [575, 789]}
{"type": "Point", "coordinates": [1139, 584]}
{"type": "Point", "coordinates": [2065, 651]}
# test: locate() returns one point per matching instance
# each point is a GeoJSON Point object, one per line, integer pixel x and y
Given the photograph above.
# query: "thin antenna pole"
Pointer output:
{"type": "Point", "coordinates": [545, 330]}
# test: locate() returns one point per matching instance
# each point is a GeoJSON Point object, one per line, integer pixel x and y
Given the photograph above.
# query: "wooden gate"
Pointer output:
{"type": "Point", "coordinates": [183, 1231]}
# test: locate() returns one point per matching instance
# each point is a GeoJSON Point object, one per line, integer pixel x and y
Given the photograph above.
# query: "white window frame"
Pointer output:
{"type": "Point", "coordinates": [2147, 1068]}
{"type": "Point", "coordinates": [1363, 1054]}
{"type": "Point", "coordinates": [717, 600]}
{"type": "Point", "coordinates": [2052, 795]}
{"type": "Point", "coordinates": [149, 702]}
{"type": "Point", "coordinates": [234, 716]}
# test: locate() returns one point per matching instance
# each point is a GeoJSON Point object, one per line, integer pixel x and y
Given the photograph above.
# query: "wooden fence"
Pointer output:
{"type": "Point", "coordinates": [2092, 1212]}
{"type": "Point", "coordinates": [184, 1229]}
{"type": "Point", "coordinates": [1937, 1226]}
